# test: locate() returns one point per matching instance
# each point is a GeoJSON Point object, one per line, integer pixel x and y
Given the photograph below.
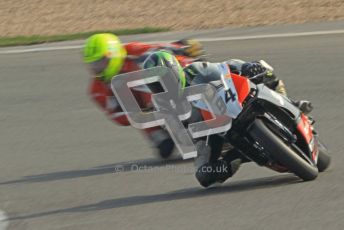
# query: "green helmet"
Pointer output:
{"type": "Point", "coordinates": [105, 55]}
{"type": "Point", "coordinates": [164, 58]}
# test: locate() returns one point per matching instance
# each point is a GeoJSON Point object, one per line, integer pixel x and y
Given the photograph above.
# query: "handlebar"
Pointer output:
{"type": "Point", "coordinates": [259, 75]}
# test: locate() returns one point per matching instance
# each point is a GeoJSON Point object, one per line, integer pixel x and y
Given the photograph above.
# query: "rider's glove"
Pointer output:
{"type": "Point", "coordinates": [192, 48]}
{"type": "Point", "coordinates": [251, 69]}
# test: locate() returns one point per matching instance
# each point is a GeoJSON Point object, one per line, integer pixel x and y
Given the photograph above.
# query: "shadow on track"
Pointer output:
{"type": "Point", "coordinates": [104, 169]}
{"type": "Point", "coordinates": [232, 187]}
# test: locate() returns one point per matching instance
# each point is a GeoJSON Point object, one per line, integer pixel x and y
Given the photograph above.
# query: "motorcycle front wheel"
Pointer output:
{"type": "Point", "coordinates": [324, 158]}
{"type": "Point", "coordinates": [281, 152]}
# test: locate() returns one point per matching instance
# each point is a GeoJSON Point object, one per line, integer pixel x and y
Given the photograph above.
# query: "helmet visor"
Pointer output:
{"type": "Point", "coordinates": [97, 67]}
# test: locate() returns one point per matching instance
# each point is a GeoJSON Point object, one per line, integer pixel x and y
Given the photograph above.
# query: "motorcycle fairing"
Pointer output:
{"type": "Point", "coordinates": [242, 86]}
{"type": "Point", "coordinates": [270, 96]}
{"type": "Point", "coordinates": [229, 91]}
{"type": "Point", "coordinates": [226, 91]}
{"type": "Point", "coordinates": [301, 121]}
{"type": "Point", "coordinates": [306, 131]}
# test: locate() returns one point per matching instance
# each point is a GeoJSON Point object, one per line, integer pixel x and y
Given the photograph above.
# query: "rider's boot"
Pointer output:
{"type": "Point", "coordinates": [163, 143]}
{"type": "Point", "coordinates": [216, 171]}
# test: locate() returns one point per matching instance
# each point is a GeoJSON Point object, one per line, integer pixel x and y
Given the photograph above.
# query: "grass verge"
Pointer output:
{"type": "Point", "coordinates": [37, 39]}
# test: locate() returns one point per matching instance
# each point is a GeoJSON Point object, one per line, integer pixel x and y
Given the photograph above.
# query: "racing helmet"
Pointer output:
{"type": "Point", "coordinates": [164, 58]}
{"type": "Point", "coordinates": [104, 54]}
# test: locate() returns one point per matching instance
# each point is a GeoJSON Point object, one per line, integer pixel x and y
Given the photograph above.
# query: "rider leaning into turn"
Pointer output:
{"type": "Point", "coordinates": [210, 152]}
{"type": "Point", "coordinates": [106, 57]}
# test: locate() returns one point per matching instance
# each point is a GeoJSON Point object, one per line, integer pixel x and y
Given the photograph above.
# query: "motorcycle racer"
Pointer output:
{"type": "Point", "coordinates": [211, 165]}
{"type": "Point", "coordinates": [106, 56]}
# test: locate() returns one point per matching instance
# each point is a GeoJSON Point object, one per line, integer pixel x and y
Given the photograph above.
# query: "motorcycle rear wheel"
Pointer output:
{"type": "Point", "coordinates": [282, 152]}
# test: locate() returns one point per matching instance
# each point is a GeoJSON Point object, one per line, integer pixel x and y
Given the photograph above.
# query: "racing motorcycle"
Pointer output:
{"type": "Point", "coordinates": [266, 127]}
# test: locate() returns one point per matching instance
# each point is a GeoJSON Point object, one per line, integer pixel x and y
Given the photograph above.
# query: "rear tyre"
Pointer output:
{"type": "Point", "coordinates": [281, 152]}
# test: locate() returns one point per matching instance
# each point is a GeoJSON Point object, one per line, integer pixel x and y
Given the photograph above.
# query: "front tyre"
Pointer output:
{"type": "Point", "coordinates": [281, 152]}
{"type": "Point", "coordinates": [324, 159]}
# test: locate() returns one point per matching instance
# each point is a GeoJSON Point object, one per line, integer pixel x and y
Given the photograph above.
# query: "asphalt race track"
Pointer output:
{"type": "Point", "coordinates": [65, 166]}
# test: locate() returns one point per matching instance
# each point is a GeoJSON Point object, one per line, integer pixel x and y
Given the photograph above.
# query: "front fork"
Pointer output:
{"type": "Point", "coordinates": [253, 151]}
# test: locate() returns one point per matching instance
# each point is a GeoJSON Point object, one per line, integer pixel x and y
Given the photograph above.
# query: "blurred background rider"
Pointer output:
{"type": "Point", "coordinates": [106, 57]}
